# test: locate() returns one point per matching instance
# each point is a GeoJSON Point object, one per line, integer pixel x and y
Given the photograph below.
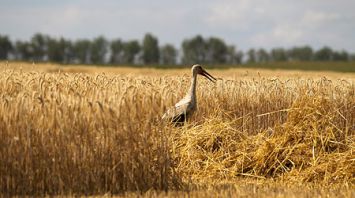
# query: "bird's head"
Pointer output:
{"type": "Point", "coordinates": [197, 69]}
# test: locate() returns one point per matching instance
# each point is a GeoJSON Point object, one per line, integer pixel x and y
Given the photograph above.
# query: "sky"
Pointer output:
{"type": "Point", "coordinates": [243, 23]}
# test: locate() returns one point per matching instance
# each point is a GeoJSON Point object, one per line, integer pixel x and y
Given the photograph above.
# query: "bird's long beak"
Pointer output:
{"type": "Point", "coordinates": [208, 76]}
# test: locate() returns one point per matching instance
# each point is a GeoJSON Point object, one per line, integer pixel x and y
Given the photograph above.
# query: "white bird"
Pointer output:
{"type": "Point", "coordinates": [186, 106]}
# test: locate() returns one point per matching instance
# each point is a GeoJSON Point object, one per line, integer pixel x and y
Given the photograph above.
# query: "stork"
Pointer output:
{"type": "Point", "coordinates": [186, 106]}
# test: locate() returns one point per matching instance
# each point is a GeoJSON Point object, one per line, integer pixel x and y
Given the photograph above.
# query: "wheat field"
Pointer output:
{"type": "Point", "coordinates": [78, 130]}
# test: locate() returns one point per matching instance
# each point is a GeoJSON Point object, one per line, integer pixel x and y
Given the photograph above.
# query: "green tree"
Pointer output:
{"type": "Point", "coordinates": [324, 54]}
{"type": "Point", "coordinates": [60, 51]}
{"type": "Point", "coordinates": [98, 50]}
{"type": "Point", "coordinates": [234, 56]}
{"type": "Point", "coordinates": [216, 52]}
{"type": "Point", "coordinates": [131, 50]}
{"type": "Point", "coordinates": [5, 47]}
{"type": "Point", "coordinates": [69, 54]}
{"type": "Point", "coordinates": [39, 44]}
{"type": "Point", "coordinates": [352, 57]}
{"type": "Point", "coordinates": [304, 53]}
{"type": "Point", "coordinates": [168, 55]}
{"type": "Point", "coordinates": [340, 56]}
{"type": "Point", "coordinates": [55, 51]}
{"type": "Point", "coordinates": [239, 57]}
{"type": "Point", "coordinates": [81, 51]}
{"type": "Point", "coordinates": [150, 49]}
{"type": "Point", "coordinates": [230, 58]}
{"type": "Point", "coordinates": [23, 50]}
{"type": "Point", "coordinates": [251, 56]}
{"type": "Point", "coordinates": [279, 54]}
{"type": "Point", "coordinates": [117, 51]}
{"type": "Point", "coordinates": [194, 50]}
{"type": "Point", "coordinates": [262, 56]}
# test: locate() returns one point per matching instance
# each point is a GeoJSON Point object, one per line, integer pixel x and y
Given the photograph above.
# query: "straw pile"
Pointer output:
{"type": "Point", "coordinates": [310, 146]}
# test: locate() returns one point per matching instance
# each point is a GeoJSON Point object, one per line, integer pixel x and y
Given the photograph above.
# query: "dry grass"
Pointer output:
{"type": "Point", "coordinates": [254, 189]}
{"type": "Point", "coordinates": [76, 133]}
{"type": "Point", "coordinates": [312, 145]}
{"type": "Point", "coordinates": [80, 133]}
{"type": "Point", "coordinates": [231, 73]}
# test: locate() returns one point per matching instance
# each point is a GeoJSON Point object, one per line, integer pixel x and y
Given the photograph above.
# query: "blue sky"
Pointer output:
{"type": "Point", "coordinates": [244, 23]}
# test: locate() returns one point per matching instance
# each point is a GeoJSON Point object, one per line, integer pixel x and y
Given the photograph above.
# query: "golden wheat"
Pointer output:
{"type": "Point", "coordinates": [76, 133]}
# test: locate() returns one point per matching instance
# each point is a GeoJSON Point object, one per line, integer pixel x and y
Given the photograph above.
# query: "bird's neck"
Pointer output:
{"type": "Point", "coordinates": [192, 90]}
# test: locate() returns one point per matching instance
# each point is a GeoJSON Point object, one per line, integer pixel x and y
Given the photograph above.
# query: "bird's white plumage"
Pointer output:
{"type": "Point", "coordinates": [186, 106]}
{"type": "Point", "coordinates": [183, 107]}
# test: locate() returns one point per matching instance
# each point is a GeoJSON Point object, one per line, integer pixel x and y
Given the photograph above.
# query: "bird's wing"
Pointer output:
{"type": "Point", "coordinates": [182, 102]}
{"type": "Point", "coordinates": [174, 112]}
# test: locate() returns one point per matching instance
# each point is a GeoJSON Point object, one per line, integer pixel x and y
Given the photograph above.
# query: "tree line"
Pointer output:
{"type": "Point", "coordinates": [197, 49]}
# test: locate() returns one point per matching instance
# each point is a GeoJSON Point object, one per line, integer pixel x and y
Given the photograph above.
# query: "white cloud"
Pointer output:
{"type": "Point", "coordinates": [59, 21]}
{"type": "Point", "coordinates": [245, 23]}
{"type": "Point", "coordinates": [280, 36]}
{"type": "Point", "coordinates": [308, 26]}
{"type": "Point", "coordinates": [228, 13]}
{"type": "Point", "coordinates": [314, 18]}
